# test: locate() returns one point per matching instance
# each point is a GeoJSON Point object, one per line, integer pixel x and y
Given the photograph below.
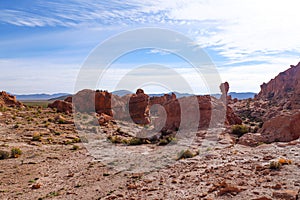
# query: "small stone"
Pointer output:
{"type": "Point", "coordinates": [131, 186]}
{"type": "Point", "coordinates": [286, 194]}
{"type": "Point", "coordinates": [174, 181]}
{"type": "Point", "coordinates": [36, 186]}
{"type": "Point", "coordinates": [277, 186]}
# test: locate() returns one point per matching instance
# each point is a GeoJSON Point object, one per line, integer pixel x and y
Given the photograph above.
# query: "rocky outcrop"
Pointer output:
{"type": "Point", "coordinates": [195, 111]}
{"type": "Point", "coordinates": [103, 102]}
{"type": "Point", "coordinates": [284, 89]}
{"type": "Point", "coordinates": [169, 113]}
{"type": "Point", "coordinates": [276, 107]}
{"type": "Point", "coordinates": [282, 128]}
{"type": "Point", "coordinates": [9, 100]}
{"type": "Point", "coordinates": [139, 107]}
{"type": "Point", "coordinates": [93, 101]}
{"type": "Point", "coordinates": [177, 112]}
{"type": "Point", "coordinates": [224, 87]}
{"type": "Point", "coordinates": [61, 106]}
{"type": "Point", "coordinates": [231, 117]}
{"type": "Point", "coordinates": [69, 99]}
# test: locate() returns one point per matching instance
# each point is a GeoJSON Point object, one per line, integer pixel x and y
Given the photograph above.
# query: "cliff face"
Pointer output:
{"type": "Point", "coordinates": [284, 89]}
{"type": "Point", "coordinates": [277, 106]}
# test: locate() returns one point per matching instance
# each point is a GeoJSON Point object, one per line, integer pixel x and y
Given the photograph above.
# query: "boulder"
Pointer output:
{"type": "Point", "coordinates": [9, 100]}
{"type": "Point", "coordinates": [61, 106]}
{"type": "Point", "coordinates": [104, 119]}
{"type": "Point", "coordinates": [282, 128]}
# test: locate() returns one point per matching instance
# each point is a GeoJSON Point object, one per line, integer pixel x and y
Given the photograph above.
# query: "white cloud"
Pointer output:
{"type": "Point", "coordinates": [37, 76]}
{"type": "Point", "coordinates": [265, 32]}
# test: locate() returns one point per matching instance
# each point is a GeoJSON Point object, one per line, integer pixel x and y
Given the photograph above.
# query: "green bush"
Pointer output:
{"type": "Point", "coordinates": [15, 152]}
{"type": "Point", "coordinates": [239, 130]}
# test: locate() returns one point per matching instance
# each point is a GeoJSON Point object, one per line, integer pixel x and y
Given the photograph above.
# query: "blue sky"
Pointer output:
{"type": "Point", "coordinates": [43, 44]}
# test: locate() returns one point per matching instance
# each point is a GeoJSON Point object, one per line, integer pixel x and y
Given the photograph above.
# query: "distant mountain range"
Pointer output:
{"type": "Point", "coordinates": [238, 95]}
{"type": "Point", "coordinates": [62, 96]}
{"type": "Point", "coordinates": [30, 97]}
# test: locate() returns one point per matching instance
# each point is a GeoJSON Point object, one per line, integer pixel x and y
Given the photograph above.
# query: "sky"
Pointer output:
{"type": "Point", "coordinates": [44, 44]}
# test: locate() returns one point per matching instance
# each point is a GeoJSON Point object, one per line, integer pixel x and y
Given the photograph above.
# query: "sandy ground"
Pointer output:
{"type": "Point", "coordinates": [58, 166]}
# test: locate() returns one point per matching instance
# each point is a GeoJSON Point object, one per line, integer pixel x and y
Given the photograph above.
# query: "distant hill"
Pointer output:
{"type": "Point", "coordinates": [121, 92]}
{"type": "Point", "coordinates": [62, 96]}
{"type": "Point", "coordinates": [28, 97]}
{"type": "Point", "coordinates": [242, 95]}
{"type": "Point", "coordinates": [238, 95]}
{"type": "Point", "coordinates": [178, 94]}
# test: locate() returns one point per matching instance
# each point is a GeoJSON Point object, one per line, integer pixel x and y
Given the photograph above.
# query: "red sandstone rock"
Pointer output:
{"type": "Point", "coordinates": [284, 89]}
{"type": "Point", "coordinates": [69, 99]}
{"type": "Point", "coordinates": [104, 119]}
{"type": "Point", "coordinates": [281, 128]}
{"type": "Point", "coordinates": [139, 107]}
{"type": "Point", "coordinates": [193, 112]}
{"type": "Point", "coordinates": [9, 100]}
{"type": "Point", "coordinates": [231, 117]}
{"type": "Point", "coordinates": [62, 106]}
{"type": "Point", "coordinates": [103, 102]}
{"type": "Point", "coordinates": [93, 101]}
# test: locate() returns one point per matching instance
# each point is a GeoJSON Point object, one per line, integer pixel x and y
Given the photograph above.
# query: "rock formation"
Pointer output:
{"type": "Point", "coordinates": [139, 107]}
{"type": "Point", "coordinates": [200, 111]}
{"type": "Point", "coordinates": [9, 100]}
{"type": "Point", "coordinates": [282, 128]}
{"type": "Point", "coordinates": [103, 102]}
{"type": "Point", "coordinates": [196, 111]}
{"type": "Point", "coordinates": [277, 106]}
{"type": "Point", "coordinates": [93, 101]}
{"type": "Point", "coordinates": [62, 106]}
{"type": "Point", "coordinates": [285, 86]}
{"type": "Point", "coordinates": [69, 99]}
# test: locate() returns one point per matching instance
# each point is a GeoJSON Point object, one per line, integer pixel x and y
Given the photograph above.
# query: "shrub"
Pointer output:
{"type": "Point", "coordinates": [75, 147]}
{"type": "Point", "coordinates": [185, 154]}
{"type": "Point", "coordinates": [239, 130]}
{"type": "Point", "coordinates": [163, 142]}
{"type": "Point", "coordinates": [115, 139]}
{"type": "Point", "coordinates": [36, 137]}
{"type": "Point", "coordinates": [4, 155]}
{"type": "Point", "coordinates": [16, 152]}
{"type": "Point", "coordinates": [135, 141]}
{"type": "Point", "coordinates": [275, 165]}
{"type": "Point", "coordinates": [167, 141]}
{"type": "Point", "coordinates": [76, 140]}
